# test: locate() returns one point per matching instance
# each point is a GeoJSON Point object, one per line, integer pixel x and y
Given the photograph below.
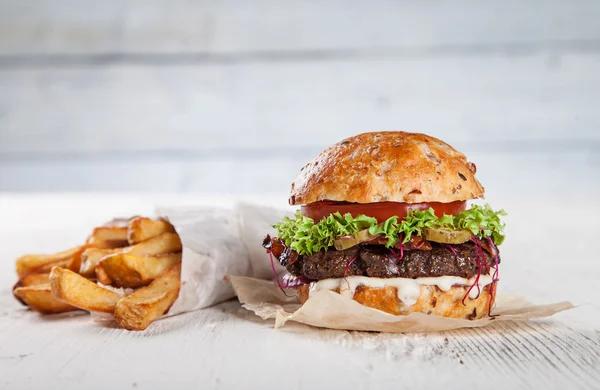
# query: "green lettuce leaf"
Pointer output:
{"type": "Point", "coordinates": [306, 237]}
{"type": "Point", "coordinates": [482, 221]}
{"type": "Point", "coordinates": [390, 229]}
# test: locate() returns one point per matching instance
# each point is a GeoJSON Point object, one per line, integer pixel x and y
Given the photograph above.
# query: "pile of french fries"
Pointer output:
{"type": "Point", "coordinates": [138, 253]}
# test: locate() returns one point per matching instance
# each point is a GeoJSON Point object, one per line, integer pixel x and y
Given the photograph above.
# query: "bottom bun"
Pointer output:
{"type": "Point", "coordinates": [432, 300]}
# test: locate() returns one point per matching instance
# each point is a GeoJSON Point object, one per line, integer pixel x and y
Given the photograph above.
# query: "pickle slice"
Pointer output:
{"type": "Point", "coordinates": [346, 242]}
{"type": "Point", "coordinates": [362, 236]}
{"type": "Point", "coordinates": [445, 236]}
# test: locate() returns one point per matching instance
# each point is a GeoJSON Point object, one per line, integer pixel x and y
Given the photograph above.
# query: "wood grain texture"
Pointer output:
{"type": "Point", "coordinates": [183, 87]}
{"type": "Point", "coordinates": [283, 108]}
{"type": "Point", "coordinates": [205, 348]}
{"type": "Point", "coordinates": [228, 347]}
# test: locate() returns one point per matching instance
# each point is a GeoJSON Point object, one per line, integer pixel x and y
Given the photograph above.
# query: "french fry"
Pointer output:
{"type": "Point", "coordinates": [47, 267]}
{"type": "Point", "coordinates": [34, 280]}
{"type": "Point", "coordinates": [108, 244]}
{"type": "Point", "coordinates": [75, 261]}
{"type": "Point", "coordinates": [158, 245]}
{"type": "Point", "coordinates": [102, 276]}
{"type": "Point", "coordinates": [108, 233]}
{"type": "Point", "coordinates": [43, 263]}
{"type": "Point", "coordinates": [131, 253]}
{"type": "Point", "coordinates": [79, 292]}
{"type": "Point", "coordinates": [112, 234]}
{"type": "Point", "coordinates": [39, 298]}
{"type": "Point", "coordinates": [126, 270]}
{"type": "Point", "coordinates": [30, 280]}
{"type": "Point", "coordinates": [138, 310]}
{"type": "Point", "coordinates": [90, 259]}
{"type": "Point", "coordinates": [163, 243]}
{"type": "Point", "coordinates": [142, 229]}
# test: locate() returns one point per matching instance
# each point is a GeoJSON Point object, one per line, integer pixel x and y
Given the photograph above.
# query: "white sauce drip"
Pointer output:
{"type": "Point", "coordinates": [408, 289]}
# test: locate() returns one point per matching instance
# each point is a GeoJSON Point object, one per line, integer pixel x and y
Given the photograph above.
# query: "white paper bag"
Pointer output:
{"type": "Point", "coordinates": [218, 242]}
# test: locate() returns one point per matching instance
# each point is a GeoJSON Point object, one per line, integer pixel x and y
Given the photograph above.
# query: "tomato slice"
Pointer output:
{"type": "Point", "coordinates": [381, 211]}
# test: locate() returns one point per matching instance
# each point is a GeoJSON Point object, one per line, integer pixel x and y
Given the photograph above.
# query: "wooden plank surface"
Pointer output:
{"type": "Point", "coordinates": [225, 347]}
{"type": "Point", "coordinates": [287, 106]}
{"type": "Point", "coordinates": [228, 347]}
{"type": "Point", "coordinates": [104, 95]}
{"type": "Point", "coordinates": [194, 128]}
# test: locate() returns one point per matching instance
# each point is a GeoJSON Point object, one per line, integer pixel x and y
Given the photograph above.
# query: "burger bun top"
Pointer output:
{"type": "Point", "coordinates": [387, 166]}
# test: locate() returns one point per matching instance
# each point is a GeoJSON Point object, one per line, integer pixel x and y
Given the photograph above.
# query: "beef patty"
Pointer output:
{"type": "Point", "coordinates": [378, 261]}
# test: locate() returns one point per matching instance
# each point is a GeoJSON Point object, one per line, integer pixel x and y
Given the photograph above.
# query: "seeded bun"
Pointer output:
{"type": "Point", "coordinates": [390, 166]}
{"type": "Point", "coordinates": [431, 301]}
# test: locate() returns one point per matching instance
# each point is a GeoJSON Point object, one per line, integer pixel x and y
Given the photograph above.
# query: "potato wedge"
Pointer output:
{"type": "Point", "coordinates": [39, 298]}
{"type": "Point", "coordinates": [161, 244]}
{"type": "Point", "coordinates": [158, 245]}
{"type": "Point", "coordinates": [112, 234]}
{"type": "Point", "coordinates": [138, 310]}
{"type": "Point", "coordinates": [80, 292]}
{"type": "Point", "coordinates": [46, 268]}
{"type": "Point", "coordinates": [75, 262]}
{"type": "Point", "coordinates": [43, 263]}
{"type": "Point", "coordinates": [102, 276]}
{"type": "Point", "coordinates": [90, 259]}
{"type": "Point", "coordinates": [112, 244]}
{"type": "Point", "coordinates": [30, 280]}
{"type": "Point", "coordinates": [34, 280]}
{"type": "Point", "coordinates": [142, 229]}
{"type": "Point", "coordinates": [126, 270]}
{"type": "Point", "coordinates": [108, 233]}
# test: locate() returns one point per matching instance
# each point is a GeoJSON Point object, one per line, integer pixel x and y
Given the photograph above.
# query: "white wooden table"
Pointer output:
{"type": "Point", "coordinates": [227, 347]}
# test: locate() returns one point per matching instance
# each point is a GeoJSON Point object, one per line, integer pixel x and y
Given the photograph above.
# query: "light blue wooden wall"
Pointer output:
{"type": "Point", "coordinates": [235, 96]}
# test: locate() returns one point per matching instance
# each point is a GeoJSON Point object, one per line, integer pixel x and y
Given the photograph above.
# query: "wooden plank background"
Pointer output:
{"type": "Point", "coordinates": [235, 97]}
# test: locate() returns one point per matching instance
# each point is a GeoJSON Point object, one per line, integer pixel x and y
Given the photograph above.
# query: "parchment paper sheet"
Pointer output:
{"type": "Point", "coordinates": [327, 309]}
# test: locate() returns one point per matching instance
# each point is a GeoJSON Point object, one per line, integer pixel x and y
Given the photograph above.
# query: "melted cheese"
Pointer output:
{"type": "Point", "coordinates": [408, 289]}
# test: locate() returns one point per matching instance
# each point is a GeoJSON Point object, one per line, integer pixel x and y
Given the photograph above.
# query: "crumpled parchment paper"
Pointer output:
{"type": "Point", "coordinates": [327, 309]}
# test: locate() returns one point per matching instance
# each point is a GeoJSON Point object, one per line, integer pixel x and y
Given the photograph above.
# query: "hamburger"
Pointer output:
{"type": "Point", "coordinates": [383, 220]}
